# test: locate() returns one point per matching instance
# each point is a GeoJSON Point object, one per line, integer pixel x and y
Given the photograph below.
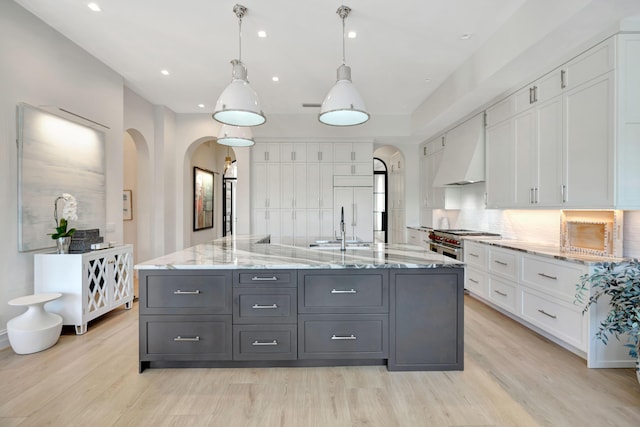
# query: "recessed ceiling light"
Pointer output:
{"type": "Point", "coordinates": [275, 78]}
{"type": "Point", "coordinates": [352, 34]}
{"type": "Point", "coordinates": [262, 34]}
{"type": "Point", "coordinates": [427, 80]}
{"type": "Point", "coordinates": [465, 36]}
{"type": "Point", "coordinates": [164, 72]}
{"type": "Point", "coordinates": [201, 105]}
{"type": "Point", "coordinates": [94, 7]}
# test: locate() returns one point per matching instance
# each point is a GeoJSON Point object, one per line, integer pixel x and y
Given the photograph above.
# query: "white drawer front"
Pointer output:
{"type": "Point", "coordinates": [475, 281]}
{"type": "Point", "coordinates": [475, 254]}
{"type": "Point", "coordinates": [563, 322]}
{"type": "Point", "coordinates": [502, 293]}
{"type": "Point", "coordinates": [503, 263]}
{"type": "Point", "coordinates": [557, 278]}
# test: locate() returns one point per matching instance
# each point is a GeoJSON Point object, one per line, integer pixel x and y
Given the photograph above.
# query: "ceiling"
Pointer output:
{"type": "Point", "coordinates": [404, 50]}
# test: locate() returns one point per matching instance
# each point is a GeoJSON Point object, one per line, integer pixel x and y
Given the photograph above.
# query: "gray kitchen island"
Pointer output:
{"type": "Point", "coordinates": [242, 302]}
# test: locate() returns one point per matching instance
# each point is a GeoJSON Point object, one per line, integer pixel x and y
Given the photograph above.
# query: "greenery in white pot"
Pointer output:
{"type": "Point", "coordinates": [621, 282]}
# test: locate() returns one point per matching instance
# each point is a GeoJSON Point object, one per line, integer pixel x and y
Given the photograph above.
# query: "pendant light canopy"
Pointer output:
{"type": "Point", "coordinates": [238, 104]}
{"type": "Point", "coordinates": [235, 136]}
{"type": "Point", "coordinates": [343, 105]}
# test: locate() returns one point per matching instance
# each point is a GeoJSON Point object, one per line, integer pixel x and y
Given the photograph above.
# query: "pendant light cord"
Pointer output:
{"type": "Point", "coordinates": [240, 39]}
{"type": "Point", "coordinates": [344, 42]}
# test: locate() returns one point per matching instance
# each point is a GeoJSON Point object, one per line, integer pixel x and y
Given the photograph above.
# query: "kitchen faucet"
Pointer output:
{"type": "Point", "coordinates": [343, 238]}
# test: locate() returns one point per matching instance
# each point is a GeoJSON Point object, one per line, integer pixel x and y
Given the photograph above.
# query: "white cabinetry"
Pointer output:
{"type": "Point", "coordinates": [567, 140]}
{"type": "Point", "coordinates": [91, 284]}
{"type": "Point", "coordinates": [358, 211]}
{"type": "Point", "coordinates": [293, 152]}
{"type": "Point", "coordinates": [435, 197]}
{"type": "Point", "coordinates": [266, 221]}
{"type": "Point", "coordinates": [539, 292]}
{"type": "Point", "coordinates": [266, 152]}
{"type": "Point", "coordinates": [396, 194]}
{"type": "Point", "coordinates": [353, 158]}
{"type": "Point", "coordinates": [293, 185]}
{"type": "Point", "coordinates": [320, 152]}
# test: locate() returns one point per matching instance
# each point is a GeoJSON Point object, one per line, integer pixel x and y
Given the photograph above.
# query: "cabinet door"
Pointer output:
{"type": "Point", "coordinates": [265, 152]}
{"type": "Point", "coordinates": [342, 152]}
{"type": "Point", "coordinates": [320, 225]}
{"type": "Point", "coordinates": [293, 228]}
{"type": "Point", "coordinates": [500, 170]}
{"type": "Point", "coordinates": [426, 320]}
{"type": "Point", "coordinates": [266, 221]}
{"type": "Point", "coordinates": [526, 167]}
{"type": "Point", "coordinates": [319, 152]}
{"type": "Point", "coordinates": [293, 152]}
{"type": "Point", "coordinates": [363, 152]}
{"type": "Point", "coordinates": [265, 185]}
{"type": "Point", "coordinates": [549, 152]}
{"type": "Point", "coordinates": [363, 214]}
{"type": "Point", "coordinates": [121, 277]}
{"type": "Point", "coordinates": [588, 145]}
{"type": "Point", "coordinates": [294, 185]}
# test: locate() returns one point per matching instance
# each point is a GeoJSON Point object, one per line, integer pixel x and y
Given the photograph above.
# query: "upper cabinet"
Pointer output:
{"type": "Point", "coordinates": [568, 140]}
{"type": "Point", "coordinates": [293, 152]}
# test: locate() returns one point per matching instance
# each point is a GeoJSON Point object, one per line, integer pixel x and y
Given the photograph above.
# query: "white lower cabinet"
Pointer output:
{"type": "Point", "coordinates": [91, 284]}
{"type": "Point", "coordinates": [539, 291]}
{"type": "Point", "coordinates": [561, 319]}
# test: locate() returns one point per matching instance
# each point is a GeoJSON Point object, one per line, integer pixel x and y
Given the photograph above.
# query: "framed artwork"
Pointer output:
{"type": "Point", "coordinates": [202, 199]}
{"type": "Point", "coordinates": [55, 156]}
{"type": "Point", "coordinates": [127, 205]}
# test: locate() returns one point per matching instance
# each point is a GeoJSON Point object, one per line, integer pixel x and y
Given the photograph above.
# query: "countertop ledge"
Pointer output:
{"type": "Point", "coordinates": [549, 251]}
{"type": "Point", "coordinates": [247, 252]}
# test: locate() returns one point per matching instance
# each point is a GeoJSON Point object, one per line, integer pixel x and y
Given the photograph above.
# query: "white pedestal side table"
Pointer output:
{"type": "Point", "coordinates": [36, 329]}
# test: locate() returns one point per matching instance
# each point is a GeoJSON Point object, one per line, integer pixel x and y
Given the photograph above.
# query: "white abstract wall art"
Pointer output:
{"type": "Point", "coordinates": [57, 156]}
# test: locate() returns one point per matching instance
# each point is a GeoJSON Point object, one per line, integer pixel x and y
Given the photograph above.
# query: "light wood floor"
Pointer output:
{"type": "Point", "coordinates": [512, 377]}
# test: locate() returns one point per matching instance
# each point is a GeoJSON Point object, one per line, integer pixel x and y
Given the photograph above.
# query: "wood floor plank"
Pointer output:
{"type": "Point", "coordinates": [512, 377]}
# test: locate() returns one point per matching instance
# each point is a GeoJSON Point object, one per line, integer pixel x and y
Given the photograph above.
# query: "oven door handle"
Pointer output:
{"type": "Point", "coordinates": [447, 248]}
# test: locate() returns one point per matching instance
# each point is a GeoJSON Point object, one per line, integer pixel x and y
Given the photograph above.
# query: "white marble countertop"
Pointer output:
{"type": "Point", "coordinates": [244, 252]}
{"type": "Point", "coordinates": [550, 251]}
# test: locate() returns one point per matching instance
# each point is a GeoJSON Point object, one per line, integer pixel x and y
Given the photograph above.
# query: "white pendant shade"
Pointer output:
{"type": "Point", "coordinates": [235, 136]}
{"type": "Point", "coordinates": [343, 105]}
{"type": "Point", "coordinates": [238, 104]}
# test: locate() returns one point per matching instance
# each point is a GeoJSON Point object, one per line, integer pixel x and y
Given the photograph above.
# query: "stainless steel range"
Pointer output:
{"type": "Point", "coordinates": [451, 242]}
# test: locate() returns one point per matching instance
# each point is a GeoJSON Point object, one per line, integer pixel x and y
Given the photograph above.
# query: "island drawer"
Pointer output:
{"type": "Point", "coordinates": [185, 292]}
{"type": "Point", "coordinates": [343, 336]}
{"type": "Point", "coordinates": [265, 342]}
{"type": "Point", "coordinates": [285, 278]}
{"type": "Point", "coordinates": [353, 291]}
{"type": "Point", "coordinates": [265, 305]}
{"type": "Point", "coordinates": [186, 337]}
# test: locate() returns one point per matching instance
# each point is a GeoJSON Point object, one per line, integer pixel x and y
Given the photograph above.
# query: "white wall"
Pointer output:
{"type": "Point", "coordinates": [40, 67]}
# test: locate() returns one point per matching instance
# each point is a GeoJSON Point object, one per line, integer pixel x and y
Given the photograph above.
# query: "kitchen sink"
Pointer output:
{"type": "Point", "coordinates": [335, 244]}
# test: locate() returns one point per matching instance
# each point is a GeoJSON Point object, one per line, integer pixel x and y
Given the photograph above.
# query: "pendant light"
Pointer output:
{"type": "Point", "coordinates": [235, 136]}
{"type": "Point", "coordinates": [238, 104]}
{"type": "Point", "coordinates": [343, 105]}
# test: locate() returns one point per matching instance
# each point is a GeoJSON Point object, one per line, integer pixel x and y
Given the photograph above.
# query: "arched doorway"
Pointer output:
{"type": "Point", "coordinates": [380, 183]}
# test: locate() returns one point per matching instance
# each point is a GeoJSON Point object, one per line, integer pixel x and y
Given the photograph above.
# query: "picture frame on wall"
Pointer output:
{"type": "Point", "coordinates": [202, 199]}
{"type": "Point", "coordinates": [127, 205]}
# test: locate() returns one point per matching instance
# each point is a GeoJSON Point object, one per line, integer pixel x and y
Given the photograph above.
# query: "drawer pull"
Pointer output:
{"type": "Point", "coordinates": [475, 255]}
{"type": "Point", "coordinates": [547, 276]}
{"type": "Point", "coordinates": [264, 279]}
{"type": "Point", "coordinates": [181, 292]}
{"type": "Point", "coordinates": [473, 280]}
{"type": "Point", "coordinates": [338, 291]}
{"type": "Point", "coordinates": [500, 293]}
{"type": "Point", "coordinates": [188, 339]}
{"type": "Point", "coordinates": [343, 337]}
{"type": "Point", "coordinates": [258, 306]}
{"type": "Point", "coordinates": [501, 263]}
{"type": "Point", "coordinates": [263, 343]}
{"type": "Point", "coordinates": [547, 314]}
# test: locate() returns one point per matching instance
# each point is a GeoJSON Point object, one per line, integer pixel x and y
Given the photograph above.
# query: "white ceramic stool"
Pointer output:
{"type": "Point", "coordinates": [36, 329]}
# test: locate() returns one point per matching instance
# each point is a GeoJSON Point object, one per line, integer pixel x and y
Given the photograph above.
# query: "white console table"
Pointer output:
{"type": "Point", "coordinates": [91, 284]}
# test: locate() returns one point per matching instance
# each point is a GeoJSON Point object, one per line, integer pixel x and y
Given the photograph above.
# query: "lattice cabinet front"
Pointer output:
{"type": "Point", "coordinates": [91, 284]}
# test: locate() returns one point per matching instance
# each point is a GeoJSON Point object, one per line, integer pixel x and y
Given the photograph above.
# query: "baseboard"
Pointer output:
{"type": "Point", "coordinates": [4, 339]}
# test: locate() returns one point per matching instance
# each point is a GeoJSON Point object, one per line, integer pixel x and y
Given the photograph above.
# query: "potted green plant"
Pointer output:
{"type": "Point", "coordinates": [62, 236]}
{"type": "Point", "coordinates": [620, 282]}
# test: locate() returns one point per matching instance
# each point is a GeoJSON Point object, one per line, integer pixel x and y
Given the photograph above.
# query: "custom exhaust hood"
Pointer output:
{"type": "Point", "coordinates": [463, 159]}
